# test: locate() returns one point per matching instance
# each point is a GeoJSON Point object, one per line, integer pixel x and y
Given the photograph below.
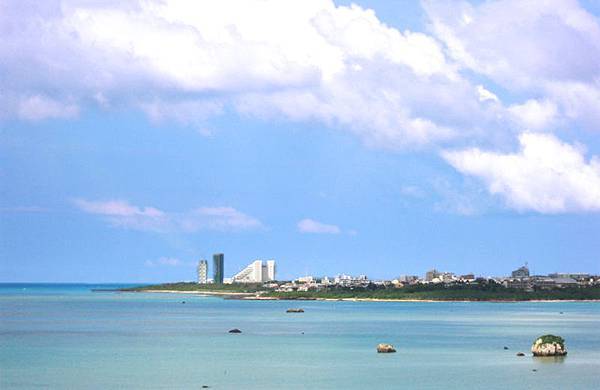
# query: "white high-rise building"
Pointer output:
{"type": "Point", "coordinates": [202, 272]}
{"type": "Point", "coordinates": [256, 272]}
{"type": "Point", "coordinates": [270, 270]}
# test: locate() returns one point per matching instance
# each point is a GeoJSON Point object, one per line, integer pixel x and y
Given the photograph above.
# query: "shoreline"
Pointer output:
{"type": "Point", "coordinates": [207, 293]}
{"type": "Point", "coordinates": [255, 297]}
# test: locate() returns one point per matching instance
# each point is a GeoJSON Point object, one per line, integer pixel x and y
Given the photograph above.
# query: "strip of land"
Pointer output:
{"type": "Point", "coordinates": [417, 293]}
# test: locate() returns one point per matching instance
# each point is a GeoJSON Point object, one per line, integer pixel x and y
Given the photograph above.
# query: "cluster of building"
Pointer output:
{"type": "Point", "coordinates": [264, 272]}
{"type": "Point", "coordinates": [256, 272]}
{"type": "Point", "coordinates": [519, 278]}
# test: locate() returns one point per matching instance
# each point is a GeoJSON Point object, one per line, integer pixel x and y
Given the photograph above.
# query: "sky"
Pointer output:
{"type": "Point", "coordinates": [367, 137]}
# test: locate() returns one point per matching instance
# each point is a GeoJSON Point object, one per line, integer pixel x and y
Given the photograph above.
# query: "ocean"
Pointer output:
{"type": "Point", "coordinates": [66, 336]}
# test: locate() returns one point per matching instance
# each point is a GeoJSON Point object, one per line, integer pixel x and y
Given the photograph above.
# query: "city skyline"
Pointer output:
{"type": "Point", "coordinates": [373, 137]}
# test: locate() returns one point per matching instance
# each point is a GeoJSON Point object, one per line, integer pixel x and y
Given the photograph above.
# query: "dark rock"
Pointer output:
{"type": "Point", "coordinates": [236, 330]}
{"type": "Point", "coordinates": [294, 311]}
{"type": "Point", "coordinates": [505, 348]}
{"type": "Point", "coordinates": [520, 354]}
{"type": "Point", "coordinates": [205, 386]}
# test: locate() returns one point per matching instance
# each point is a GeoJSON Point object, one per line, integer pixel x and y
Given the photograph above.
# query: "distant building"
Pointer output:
{"type": "Point", "coordinates": [407, 278]}
{"type": "Point", "coordinates": [256, 272]}
{"type": "Point", "coordinates": [565, 282]}
{"type": "Point", "coordinates": [520, 283]}
{"type": "Point", "coordinates": [447, 277]}
{"type": "Point", "coordinates": [521, 272]}
{"type": "Point", "coordinates": [576, 276]}
{"type": "Point", "coordinates": [202, 271]}
{"type": "Point", "coordinates": [218, 267]}
{"type": "Point", "coordinates": [432, 274]}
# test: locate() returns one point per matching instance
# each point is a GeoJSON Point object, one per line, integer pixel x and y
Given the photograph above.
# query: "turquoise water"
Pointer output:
{"type": "Point", "coordinates": [65, 336]}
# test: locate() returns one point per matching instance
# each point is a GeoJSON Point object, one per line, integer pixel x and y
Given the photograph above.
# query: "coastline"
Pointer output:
{"type": "Point", "coordinates": [255, 297]}
{"type": "Point", "coordinates": [206, 293]}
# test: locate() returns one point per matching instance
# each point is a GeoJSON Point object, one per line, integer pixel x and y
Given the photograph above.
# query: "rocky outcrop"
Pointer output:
{"type": "Point", "coordinates": [549, 345]}
{"type": "Point", "coordinates": [294, 311]}
{"type": "Point", "coordinates": [520, 354]}
{"type": "Point", "coordinates": [236, 330]}
{"type": "Point", "coordinates": [385, 348]}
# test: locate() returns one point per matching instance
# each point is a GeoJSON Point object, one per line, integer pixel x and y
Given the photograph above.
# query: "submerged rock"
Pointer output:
{"type": "Point", "coordinates": [505, 348]}
{"type": "Point", "coordinates": [549, 345]}
{"type": "Point", "coordinates": [385, 348]}
{"type": "Point", "coordinates": [520, 354]}
{"type": "Point", "coordinates": [294, 311]}
{"type": "Point", "coordinates": [235, 330]}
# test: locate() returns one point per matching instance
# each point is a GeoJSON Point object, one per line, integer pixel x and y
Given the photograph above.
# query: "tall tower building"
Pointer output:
{"type": "Point", "coordinates": [218, 267]}
{"type": "Point", "coordinates": [270, 270]}
{"type": "Point", "coordinates": [202, 271]}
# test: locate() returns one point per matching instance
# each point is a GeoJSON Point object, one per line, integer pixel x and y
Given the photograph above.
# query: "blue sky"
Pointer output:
{"type": "Point", "coordinates": [380, 138]}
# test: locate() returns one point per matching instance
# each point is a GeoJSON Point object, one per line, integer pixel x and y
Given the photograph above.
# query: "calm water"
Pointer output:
{"type": "Point", "coordinates": [65, 336]}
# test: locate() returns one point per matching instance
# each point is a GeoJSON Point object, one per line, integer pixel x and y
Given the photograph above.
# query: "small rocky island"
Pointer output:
{"type": "Point", "coordinates": [385, 348]}
{"type": "Point", "coordinates": [549, 345]}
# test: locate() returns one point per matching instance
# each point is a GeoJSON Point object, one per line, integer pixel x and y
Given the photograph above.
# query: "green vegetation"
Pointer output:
{"type": "Point", "coordinates": [479, 291]}
{"type": "Point", "coordinates": [551, 339]}
{"type": "Point", "coordinates": [190, 286]}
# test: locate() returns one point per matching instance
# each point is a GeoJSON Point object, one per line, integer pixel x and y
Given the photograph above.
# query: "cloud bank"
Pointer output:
{"type": "Point", "coordinates": [119, 213]}
{"type": "Point", "coordinates": [479, 74]}
{"type": "Point", "coordinates": [186, 61]}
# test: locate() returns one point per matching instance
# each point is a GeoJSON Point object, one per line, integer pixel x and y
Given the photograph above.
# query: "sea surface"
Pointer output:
{"type": "Point", "coordinates": [66, 336]}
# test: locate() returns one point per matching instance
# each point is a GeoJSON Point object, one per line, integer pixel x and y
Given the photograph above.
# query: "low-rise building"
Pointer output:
{"type": "Point", "coordinates": [521, 272]}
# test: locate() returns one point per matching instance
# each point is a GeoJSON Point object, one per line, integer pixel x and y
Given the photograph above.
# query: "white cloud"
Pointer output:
{"type": "Point", "coordinates": [219, 218]}
{"type": "Point", "coordinates": [120, 213]}
{"type": "Point", "coordinates": [308, 225]}
{"type": "Point", "coordinates": [533, 114]}
{"type": "Point", "coordinates": [183, 61]}
{"type": "Point", "coordinates": [485, 95]}
{"type": "Point", "coordinates": [166, 261]}
{"type": "Point", "coordinates": [546, 175]}
{"type": "Point", "coordinates": [38, 107]}
{"type": "Point", "coordinates": [190, 113]}
{"type": "Point", "coordinates": [549, 49]}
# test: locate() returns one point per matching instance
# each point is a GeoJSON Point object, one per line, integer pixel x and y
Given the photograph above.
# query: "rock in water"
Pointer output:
{"type": "Point", "coordinates": [505, 348]}
{"type": "Point", "coordinates": [236, 330]}
{"type": "Point", "coordinates": [385, 348]}
{"type": "Point", "coordinates": [549, 345]}
{"type": "Point", "coordinates": [520, 354]}
{"type": "Point", "coordinates": [294, 311]}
